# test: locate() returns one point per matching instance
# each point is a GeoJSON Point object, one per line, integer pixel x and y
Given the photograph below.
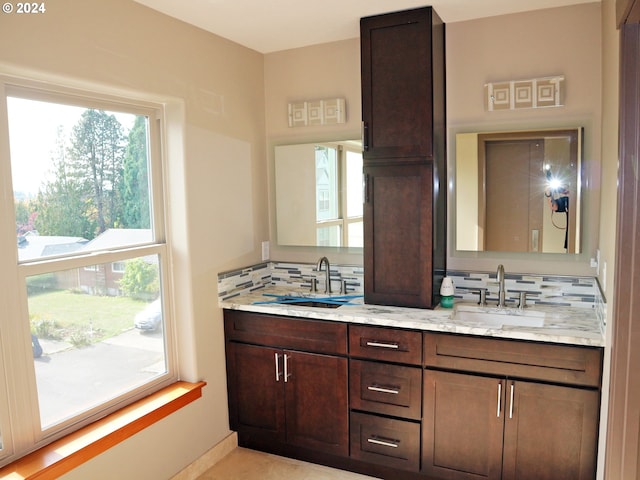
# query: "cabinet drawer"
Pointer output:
{"type": "Point", "coordinates": [389, 344]}
{"type": "Point", "coordinates": [394, 443]}
{"type": "Point", "coordinates": [388, 389]}
{"type": "Point", "coordinates": [284, 332]}
{"type": "Point", "coordinates": [566, 364]}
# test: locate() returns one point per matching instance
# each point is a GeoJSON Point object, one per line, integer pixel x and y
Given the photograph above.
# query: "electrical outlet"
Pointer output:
{"type": "Point", "coordinates": [595, 262]}
{"type": "Point", "coordinates": [265, 250]}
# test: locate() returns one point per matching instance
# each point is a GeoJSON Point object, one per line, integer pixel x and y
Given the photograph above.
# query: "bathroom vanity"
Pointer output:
{"type": "Point", "coordinates": [401, 393]}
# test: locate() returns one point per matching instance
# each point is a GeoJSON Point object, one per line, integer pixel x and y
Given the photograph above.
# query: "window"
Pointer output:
{"type": "Point", "coordinates": [118, 267]}
{"type": "Point", "coordinates": [91, 251]}
{"type": "Point", "coordinates": [339, 195]}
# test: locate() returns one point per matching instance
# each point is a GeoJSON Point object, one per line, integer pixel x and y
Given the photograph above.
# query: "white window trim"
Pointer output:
{"type": "Point", "coordinates": [19, 409]}
{"type": "Point", "coordinates": [342, 220]}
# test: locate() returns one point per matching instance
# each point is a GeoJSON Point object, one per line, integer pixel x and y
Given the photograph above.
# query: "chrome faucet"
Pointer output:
{"type": "Point", "coordinates": [327, 285]}
{"type": "Point", "coordinates": [501, 292]}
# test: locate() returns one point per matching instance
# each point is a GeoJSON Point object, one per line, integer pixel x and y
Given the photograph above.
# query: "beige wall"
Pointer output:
{"type": "Point", "coordinates": [520, 46]}
{"type": "Point", "coordinates": [322, 71]}
{"type": "Point", "coordinates": [234, 103]}
{"type": "Point", "coordinates": [217, 188]}
{"type": "Point", "coordinates": [507, 47]}
{"type": "Point", "coordinates": [609, 199]}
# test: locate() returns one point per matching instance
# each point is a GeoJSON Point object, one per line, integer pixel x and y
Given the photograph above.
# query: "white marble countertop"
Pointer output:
{"type": "Point", "coordinates": [567, 325]}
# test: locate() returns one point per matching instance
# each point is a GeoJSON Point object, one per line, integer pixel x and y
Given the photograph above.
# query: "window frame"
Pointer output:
{"type": "Point", "coordinates": [20, 428]}
{"type": "Point", "coordinates": [342, 220]}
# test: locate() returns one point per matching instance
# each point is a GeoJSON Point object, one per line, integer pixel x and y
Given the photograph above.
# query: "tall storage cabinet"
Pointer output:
{"type": "Point", "coordinates": [403, 110]}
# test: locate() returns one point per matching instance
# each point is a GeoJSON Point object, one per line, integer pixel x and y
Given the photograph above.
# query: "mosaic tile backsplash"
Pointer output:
{"type": "Point", "coordinates": [582, 292]}
{"type": "Point", "coordinates": [294, 275]}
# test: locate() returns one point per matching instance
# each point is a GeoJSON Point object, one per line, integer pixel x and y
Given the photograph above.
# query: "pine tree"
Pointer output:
{"type": "Point", "coordinates": [135, 191]}
{"type": "Point", "coordinates": [96, 154]}
{"type": "Point", "coordinates": [61, 204]}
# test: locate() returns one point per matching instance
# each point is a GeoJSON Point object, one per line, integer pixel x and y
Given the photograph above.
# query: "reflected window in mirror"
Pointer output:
{"type": "Point", "coordinates": [319, 194]}
{"type": "Point", "coordinates": [519, 191]}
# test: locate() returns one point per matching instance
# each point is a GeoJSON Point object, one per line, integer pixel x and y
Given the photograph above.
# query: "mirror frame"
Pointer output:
{"type": "Point", "coordinates": [529, 262]}
{"type": "Point", "coordinates": [342, 255]}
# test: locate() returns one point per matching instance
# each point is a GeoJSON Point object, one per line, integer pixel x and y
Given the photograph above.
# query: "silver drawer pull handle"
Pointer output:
{"type": "Point", "coordinates": [382, 345]}
{"type": "Point", "coordinates": [373, 388]}
{"type": "Point", "coordinates": [383, 443]}
{"type": "Point", "coordinates": [277, 362]}
{"type": "Point", "coordinates": [511, 403]}
{"type": "Point", "coordinates": [286, 368]}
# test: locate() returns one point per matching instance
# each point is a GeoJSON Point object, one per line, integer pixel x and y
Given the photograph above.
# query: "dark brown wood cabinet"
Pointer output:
{"type": "Point", "coordinates": [549, 431]}
{"type": "Point", "coordinates": [284, 396]}
{"type": "Point", "coordinates": [510, 425]}
{"type": "Point", "coordinates": [398, 245]}
{"type": "Point", "coordinates": [462, 436]}
{"type": "Point", "coordinates": [402, 74]}
{"type": "Point", "coordinates": [403, 404]}
{"type": "Point", "coordinates": [403, 108]}
{"type": "Point", "coordinates": [385, 397]}
{"type": "Point", "coordinates": [387, 441]}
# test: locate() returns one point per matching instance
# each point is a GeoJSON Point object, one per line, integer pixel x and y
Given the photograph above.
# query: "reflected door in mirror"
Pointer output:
{"type": "Point", "coordinates": [513, 195]}
{"type": "Point", "coordinates": [518, 191]}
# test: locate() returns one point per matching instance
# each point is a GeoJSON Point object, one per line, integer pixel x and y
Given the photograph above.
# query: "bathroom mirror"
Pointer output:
{"type": "Point", "coordinates": [319, 194]}
{"type": "Point", "coordinates": [519, 191]}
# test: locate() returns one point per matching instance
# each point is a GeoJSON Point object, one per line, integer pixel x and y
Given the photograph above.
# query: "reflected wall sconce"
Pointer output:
{"type": "Point", "coordinates": [317, 112]}
{"type": "Point", "coordinates": [531, 93]}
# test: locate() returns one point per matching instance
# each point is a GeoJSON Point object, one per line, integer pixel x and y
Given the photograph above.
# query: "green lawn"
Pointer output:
{"type": "Point", "coordinates": [80, 318]}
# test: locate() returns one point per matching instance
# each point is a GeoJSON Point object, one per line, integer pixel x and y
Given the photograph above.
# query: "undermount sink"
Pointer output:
{"type": "Point", "coordinates": [498, 317]}
{"type": "Point", "coordinates": [310, 300]}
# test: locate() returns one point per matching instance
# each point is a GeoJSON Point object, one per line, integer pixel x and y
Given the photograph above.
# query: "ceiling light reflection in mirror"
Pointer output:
{"type": "Point", "coordinates": [519, 191]}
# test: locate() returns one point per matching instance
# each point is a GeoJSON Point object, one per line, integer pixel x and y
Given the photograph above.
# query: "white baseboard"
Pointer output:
{"type": "Point", "coordinates": [209, 458]}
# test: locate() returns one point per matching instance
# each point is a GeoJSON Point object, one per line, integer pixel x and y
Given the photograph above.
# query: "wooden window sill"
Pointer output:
{"type": "Point", "coordinates": [65, 454]}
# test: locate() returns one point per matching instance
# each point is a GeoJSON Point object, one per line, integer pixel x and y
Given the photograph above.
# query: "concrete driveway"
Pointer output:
{"type": "Point", "coordinates": [75, 379]}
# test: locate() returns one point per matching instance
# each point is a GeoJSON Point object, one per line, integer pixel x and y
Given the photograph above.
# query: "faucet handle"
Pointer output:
{"type": "Point", "coordinates": [314, 285]}
{"type": "Point", "coordinates": [482, 292]}
{"type": "Point", "coordinates": [523, 300]}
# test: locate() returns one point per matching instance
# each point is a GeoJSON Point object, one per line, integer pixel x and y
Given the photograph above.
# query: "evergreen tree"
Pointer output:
{"type": "Point", "coordinates": [61, 204]}
{"type": "Point", "coordinates": [135, 191]}
{"type": "Point", "coordinates": [96, 154]}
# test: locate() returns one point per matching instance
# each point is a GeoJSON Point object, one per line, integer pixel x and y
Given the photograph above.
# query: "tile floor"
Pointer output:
{"type": "Point", "coordinates": [244, 464]}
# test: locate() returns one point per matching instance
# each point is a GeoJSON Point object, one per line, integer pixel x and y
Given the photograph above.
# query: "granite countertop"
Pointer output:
{"type": "Point", "coordinates": [567, 325]}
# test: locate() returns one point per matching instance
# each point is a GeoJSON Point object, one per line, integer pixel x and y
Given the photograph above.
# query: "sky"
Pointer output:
{"type": "Point", "coordinates": [33, 127]}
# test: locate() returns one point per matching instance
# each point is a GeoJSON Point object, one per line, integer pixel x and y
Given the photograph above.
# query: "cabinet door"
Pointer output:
{"type": "Point", "coordinates": [462, 426]}
{"type": "Point", "coordinates": [256, 396]}
{"type": "Point", "coordinates": [550, 432]}
{"type": "Point", "coordinates": [397, 83]}
{"type": "Point", "coordinates": [398, 235]}
{"type": "Point", "coordinates": [317, 406]}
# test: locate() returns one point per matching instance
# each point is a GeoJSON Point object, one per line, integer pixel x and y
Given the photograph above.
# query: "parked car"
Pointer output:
{"type": "Point", "coordinates": [150, 319]}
